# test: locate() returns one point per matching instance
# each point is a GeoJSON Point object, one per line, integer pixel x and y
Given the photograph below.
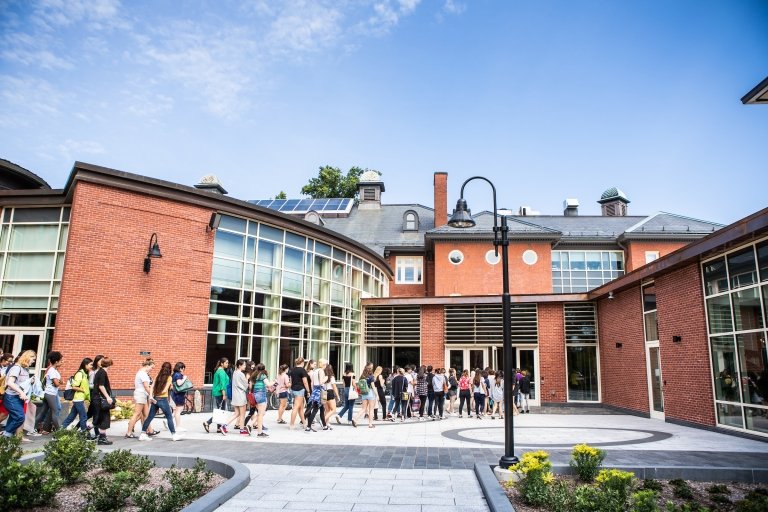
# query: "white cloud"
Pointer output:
{"type": "Point", "coordinates": [72, 149]}
{"type": "Point", "coordinates": [388, 13]}
{"type": "Point", "coordinates": [97, 13]}
{"type": "Point", "coordinates": [454, 7]}
{"type": "Point", "coordinates": [304, 27]}
{"type": "Point", "coordinates": [20, 95]}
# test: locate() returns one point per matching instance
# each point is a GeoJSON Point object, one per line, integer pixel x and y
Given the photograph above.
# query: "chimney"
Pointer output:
{"type": "Point", "coordinates": [441, 199]}
{"type": "Point", "coordinates": [571, 207]}
{"type": "Point", "coordinates": [211, 183]}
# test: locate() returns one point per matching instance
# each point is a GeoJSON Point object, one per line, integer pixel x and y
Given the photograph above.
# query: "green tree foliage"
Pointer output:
{"type": "Point", "coordinates": [281, 195]}
{"type": "Point", "coordinates": [330, 182]}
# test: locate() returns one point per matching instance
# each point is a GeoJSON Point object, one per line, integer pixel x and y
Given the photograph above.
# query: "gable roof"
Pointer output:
{"type": "Point", "coordinates": [670, 225]}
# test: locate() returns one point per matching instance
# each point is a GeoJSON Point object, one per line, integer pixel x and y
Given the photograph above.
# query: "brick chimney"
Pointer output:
{"type": "Point", "coordinates": [441, 199]}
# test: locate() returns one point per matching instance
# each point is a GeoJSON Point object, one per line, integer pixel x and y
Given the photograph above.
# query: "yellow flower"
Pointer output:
{"type": "Point", "coordinates": [548, 478]}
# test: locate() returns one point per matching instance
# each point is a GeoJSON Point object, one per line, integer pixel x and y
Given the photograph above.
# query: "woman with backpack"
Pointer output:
{"type": "Point", "coordinates": [367, 395]}
{"type": "Point", "coordinates": [218, 393]}
{"type": "Point", "coordinates": [179, 398]}
{"type": "Point", "coordinates": [260, 383]}
{"type": "Point", "coordinates": [17, 382]}
{"type": "Point", "coordinates": [317, 378]}
{"type": "Point", "coordinates": [82, 393]}
{"type": "Point", "coordinates": [349, 404]}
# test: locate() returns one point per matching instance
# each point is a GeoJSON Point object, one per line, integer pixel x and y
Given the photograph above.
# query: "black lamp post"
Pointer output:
{"type": "Point", "coordinates": [462, 218]}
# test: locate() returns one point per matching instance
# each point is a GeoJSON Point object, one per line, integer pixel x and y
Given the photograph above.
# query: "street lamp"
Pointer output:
{"type": "Point", "coordinates": [461, 218]}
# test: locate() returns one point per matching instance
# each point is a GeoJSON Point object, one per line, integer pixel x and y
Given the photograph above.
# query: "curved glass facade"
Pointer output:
{"type": "Point", "coordinates": [277, 295]}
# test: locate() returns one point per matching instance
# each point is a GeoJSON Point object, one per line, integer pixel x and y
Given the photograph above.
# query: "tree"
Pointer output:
{"type": "Point", "coordinates": [330, 182]}
{"type": "Point", "coordinates": [281, 195]}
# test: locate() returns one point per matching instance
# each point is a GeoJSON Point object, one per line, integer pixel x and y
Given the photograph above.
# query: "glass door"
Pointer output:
{"type": "Point", "coordinates": [466, 358]}
{"type": "Point", "coordinates": [655, 382]}
{"type": "Point", "coordinates": [17, 342]}
{"type": "Point", "coordinates": [528, 361]}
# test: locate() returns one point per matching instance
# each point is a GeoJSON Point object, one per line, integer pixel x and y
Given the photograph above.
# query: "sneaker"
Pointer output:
{"type": "Point", "coordinates": [224, 430]}
{"type": "Point", "coordinates": [264, 428]}
{"type": "Point", "coordinates": [244, 432]}
{"type": "Point", "coordinates": [281, 422]}
{"type": "Point", "coordinates": [354, 423]}
{"type": "Point", "coordinates": [144, 437]}
{"type": "Point", "coordinates": [263, 434]}
{"type": "Point", "coordinates": [460, 416]}
{"type": "Point", "coordinates": [34, 433]}
{"type": "Point", "coordinates": [103, 440]}
{"type": "Point", "coordinates": [338, 420]}
{"type": "Point", "coordinates": [309, 429]}
{"type": "Point", "coordinates": [327, 428]}
{"type": "Point", "coordinates": [175, 437]}
{"type": "Point", "coordinates": [207, 427]}
{"type": "Point", "coordinates": [493, 417]}
{"type": "Point", "coordinates": [249, 428]}
{"type": "Point", "coordinates": [479, 417]}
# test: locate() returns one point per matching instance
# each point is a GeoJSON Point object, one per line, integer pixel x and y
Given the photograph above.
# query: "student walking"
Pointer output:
{"type": "Point", "coordinates": [261, 384]}
{"type": "Point", "coordinates": [82, 393]}
{"type": "Point", "coordinates": [379, 384]}
{"type": "Point", "coordinates": [497, 394]}
{"type": "Point", "coordinates": [179, 398]}
{"type": "Point", "coordinates": [525, 392]}
{"type": "Point", "coordinates": [422, 389]}
{"type": "Point", "coordinates": [465, 393]}
{"type": "Point", "coordinates": [453, 391]}
{"type": "Point", "coordinates": [367, 395]}
{"type": "Point", "coordinates": [300, 389]}
{"type": "Point", "coordinates": [105, 403]}
{"type": "Point", "coordinates": [318, 379]}
{"type": "Point", "coordinates": [283, 387]}
{"type": "Point", "coordinates": [400, 394]}
{"type": "Point", "coordinates": [142, 390]}
{"type": "Point", "coordinates": [331, 394]}
{"type": "Point", "coordinates": [349, 404]}
{"type": "Point", "coordinates": [480, 392]}
{"type": "Point", "coordinates": [239, 400]}
{"type": "Point", "coordinates": [51, 409]}
{"type": "Point", "coordinates": [440, 386]}
{"type": "Point", "coordinates": [17, 382]}
{"type": "Point", "coordinates": [159, 400]}
{"type": "Point", "coordinates": [220, 384]}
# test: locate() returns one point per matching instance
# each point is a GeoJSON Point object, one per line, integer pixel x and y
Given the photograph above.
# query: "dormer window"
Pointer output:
{"type": "Point", "coordinates": [410, 221]}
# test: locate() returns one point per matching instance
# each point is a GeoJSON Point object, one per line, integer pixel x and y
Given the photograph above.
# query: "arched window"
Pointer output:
{"type": "Point", "coordinates": [410, 221]}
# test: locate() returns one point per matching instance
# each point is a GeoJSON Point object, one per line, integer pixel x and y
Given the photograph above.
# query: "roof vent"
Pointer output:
{"type": "Point", "coordinates": [571, 207]}
{"type": "Point", "coordinates": [614, 203]}
{"type": "Point", "coordinates": [527, 211]}
{"type": "Point", "coordinates": [211, 183]}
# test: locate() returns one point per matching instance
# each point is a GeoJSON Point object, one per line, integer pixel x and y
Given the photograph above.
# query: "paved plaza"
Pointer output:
{"type": "Point", "coordinates": [427, 465]}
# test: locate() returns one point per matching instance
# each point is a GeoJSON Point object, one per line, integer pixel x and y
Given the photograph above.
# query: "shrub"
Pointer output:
{"type": "Point", "coordinates": [681, 489]}
{"type": "Point", "coordinates": [125, 461]}
{"type": "Point", "coordinates": [621, 482]}
{"type": "Point", "coordinates": [686, 507]}
{"type": "Point", "coordinates": [185, 486]}
{"type": "Point", "coordinates": [755, 501]}
{"type": "Point", "coordinates": [559, 497]}
{"type": "Point", "coordinates": [586, 460]}
{"type": "Point", "coordinates": [535, 471]}
{"type": "Point", "coordinates": [719, 489]}
{"type": "Point", "coordinates": [70, 454]}
{"type": "Point", "coordinates": [590, 498]}
{"type": "Point", "coordinates": [649, 484]}
{"type": "Point", "coordinates": [122, 411]}
{"type": "Point", "coordinates": [109, 492]}
{"type": "Point", "coordinates": [644, 501]}
{"type": "Point", "coordinates": [24, 486]}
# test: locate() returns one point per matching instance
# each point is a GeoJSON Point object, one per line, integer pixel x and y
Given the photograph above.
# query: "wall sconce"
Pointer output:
{"type": "Point", "coordinates": [677, 339]}
{"type": "Point", "coordinates": [610, 295]}
{"type": "Point", "coordinates": [153, 252]}
{"type": "Point", "coordinates": [619, 344]}
{"type": "Point", "coordinates": [213, 224]}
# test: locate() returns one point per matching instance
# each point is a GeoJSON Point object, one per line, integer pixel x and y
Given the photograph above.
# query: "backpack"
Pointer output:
{"type": "Point", "coordinates": [362, 387]}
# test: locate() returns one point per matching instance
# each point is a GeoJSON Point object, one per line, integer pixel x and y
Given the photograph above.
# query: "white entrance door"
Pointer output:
{"type": "Point", "coordinates": [655, 381]}
{"type": "Point", "coordinates": [17, 341]}
{"type": "Point", "coordinates": [466, 358]}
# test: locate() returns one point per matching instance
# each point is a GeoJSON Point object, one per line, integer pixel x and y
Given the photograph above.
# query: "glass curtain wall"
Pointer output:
{"type": "Point", "coordinates": [32, 246]}
{"type": "Point", "coordinates": [277, 295]}
{"type": "Point", "coordinates": [736, 291]}
{"type": "Point", "coordinates": [581, 352]}
{"type": "Point", "coordinates": [581, 271]}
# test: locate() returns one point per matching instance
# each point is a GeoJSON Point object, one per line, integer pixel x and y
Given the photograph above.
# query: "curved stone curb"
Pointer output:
{"type": "Point", "coordinates": [495, 496]}
{"type": "Point", "coordinates": [238, 476]}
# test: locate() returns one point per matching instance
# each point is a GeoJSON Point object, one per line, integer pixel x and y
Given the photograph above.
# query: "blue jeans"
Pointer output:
{"type": "Point", "coordinates": [348, 406]}
{"type": "Point", "coordinates": [430, 403]}
{"type": "Point", "coordinates": [15, 407]}
{"type": "Point", "coordinates": [163, 405]}
{"type": "Point", "coordinates": [78, 409]}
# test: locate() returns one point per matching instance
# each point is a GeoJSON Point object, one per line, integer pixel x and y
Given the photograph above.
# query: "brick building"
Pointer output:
{"type": "Point", "coordinates": [661, 315]}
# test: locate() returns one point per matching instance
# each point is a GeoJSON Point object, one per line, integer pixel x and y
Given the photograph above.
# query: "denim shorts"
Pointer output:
{"type": "Point", "coordinates": [282, 394]}
{"type": "Point", "coordinates": [260, 396]}
{"type": "Point", "coordinates": [297, 394]}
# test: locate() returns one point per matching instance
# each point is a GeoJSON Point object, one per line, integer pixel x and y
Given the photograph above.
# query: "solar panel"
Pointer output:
{"type": "Point", "coordinates": [301, 206]}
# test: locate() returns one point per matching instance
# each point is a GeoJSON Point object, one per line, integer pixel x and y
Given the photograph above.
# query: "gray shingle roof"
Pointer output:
{"type": "Point", "coordinates": [668, 223]}
{"type": "Point", "coordinates": [381, 228]}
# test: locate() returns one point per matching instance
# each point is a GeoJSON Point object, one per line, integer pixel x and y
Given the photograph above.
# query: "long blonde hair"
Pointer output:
{"type": "Point", "coordinates": [25, 357]}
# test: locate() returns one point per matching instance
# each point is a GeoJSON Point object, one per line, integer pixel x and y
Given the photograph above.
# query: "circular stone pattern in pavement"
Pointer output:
{"type": "Point", "coordinates": [554, 437]}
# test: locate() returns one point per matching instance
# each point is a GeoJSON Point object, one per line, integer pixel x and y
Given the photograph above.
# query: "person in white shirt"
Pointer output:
{"type": "Point", "coordinates": [142, 389]}
{"type": "Point", "coordinates": [410, 377]}
{"type": "Point", "coordinates": [49, 412]}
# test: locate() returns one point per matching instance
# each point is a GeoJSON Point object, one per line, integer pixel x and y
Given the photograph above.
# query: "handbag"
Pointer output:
{"type": "Point", "coordinates": [324, 395]}
{"type": "Point", "coordinates": [220, 416]}
{"type": "Point", "coordinates": [186, 385]}
{"type": "Point", "coordinates": [251, 399]}
{"type": "Point", "coordinates": [69, 393]}
{"type": "Point", "coordinates": [105, 405]}
{"type": "Point", "coordinates": [405, 396]}
{"type": "Point", "coordinates": [353, 394]}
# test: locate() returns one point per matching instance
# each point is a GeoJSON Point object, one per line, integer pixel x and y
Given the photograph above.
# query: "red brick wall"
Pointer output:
{"type": "Point", "coordinates": [432, 335]}
{"type": "Point", "coordinates": [475, 276]}
{"type": "Point", "coordinates": [109, 306]}
{"type": "Point", "coordinates": [635, 253]}
{"type": "Point", "coordinates": [552, 353]}
{"type": "Point", "coordinates": [408, 290]}
{"type": "Point", "coordinates": [624, 381]}
{"type": "Point", "coordinates": [685, 366]}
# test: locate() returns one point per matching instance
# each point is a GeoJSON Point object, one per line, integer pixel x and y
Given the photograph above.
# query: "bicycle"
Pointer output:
{"type": "Point", "coordinates": [273, 401]}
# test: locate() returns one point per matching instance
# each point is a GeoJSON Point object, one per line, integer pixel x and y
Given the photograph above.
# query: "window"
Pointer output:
{"type": "Point", "coordinates": [410, 221]}
{"type": "Point", "coordinates": [456, 257]}
{"type": "Point", "coordinates": [409, 269]}
{"type": "Point", "coordinates": [492, 257]}
{"type": "Point", "coordinates": [369, 194]}
{"type": "Point", "coordinates": [581, 271]}
{"type": "Point", "coordinates": [581, 352]}
{"type": "Point", "coordinates": [651, 256]}
{"type": "Point", "coordinates": [649, 313]}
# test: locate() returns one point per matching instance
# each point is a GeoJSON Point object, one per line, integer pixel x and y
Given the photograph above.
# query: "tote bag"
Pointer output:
{"type": "Point", "coordinates": [353, 394]}
{"type": "Point", "coordinates": [220, 416]}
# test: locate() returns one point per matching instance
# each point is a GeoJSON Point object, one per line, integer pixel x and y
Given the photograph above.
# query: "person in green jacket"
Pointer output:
{"type": "Point", "coordinates": [82, 394]}
{"type": "Point", "coordinates": [219, 392]}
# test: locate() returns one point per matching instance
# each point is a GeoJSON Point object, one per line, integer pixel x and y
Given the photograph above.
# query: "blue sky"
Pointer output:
{"type": "Point", "coordinates": [548, 99]}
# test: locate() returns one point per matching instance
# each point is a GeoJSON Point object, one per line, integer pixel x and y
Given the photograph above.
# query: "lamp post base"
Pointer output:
{"type": "Point", "coordinates": [508, 460]}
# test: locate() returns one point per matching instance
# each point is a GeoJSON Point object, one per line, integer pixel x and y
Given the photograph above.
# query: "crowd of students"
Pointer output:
{"type": "Point", "coordinates": [385, 394]}
{"type": "Point", "coordinates": [91, 396]}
